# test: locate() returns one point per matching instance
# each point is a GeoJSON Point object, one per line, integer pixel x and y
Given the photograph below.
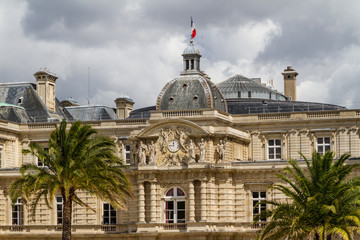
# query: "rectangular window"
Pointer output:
{"type": "Point", "coordinates": [40, 163]}
{"type": "Point", "coordinates": [127, 154]}
{"type": "Point", "coordinates": [249, 94]}
{"type": "Point", "coordinates": [18, 213]}
{"type": "Point", "coordinates": [59, 210]}
{"type": "Point", "coordinates": [239, 94]}
{"type": "Point", "coordinates": [109, 214]}
{"type": "Point", "coordinates": [261, 207]}
{"type": "Point", "coordinates": [274, 149]}
{"type": "Point", "coordinates": [323, 144]}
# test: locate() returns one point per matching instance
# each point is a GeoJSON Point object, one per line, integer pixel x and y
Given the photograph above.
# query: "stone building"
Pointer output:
{"type": "Point", "coordinates": [199, 160]}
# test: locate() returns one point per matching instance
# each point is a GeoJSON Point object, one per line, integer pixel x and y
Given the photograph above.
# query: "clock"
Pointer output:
{"type": "Point", "coordinates": [173, 146]}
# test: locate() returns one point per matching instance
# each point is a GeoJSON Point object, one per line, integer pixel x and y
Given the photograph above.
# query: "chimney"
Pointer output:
{"type": "Point", "coordinates": [290, 82]}
{"type": "Point", "coordinates": [45, 87]}
{"type": "Point", "coordinates": [124, 106]}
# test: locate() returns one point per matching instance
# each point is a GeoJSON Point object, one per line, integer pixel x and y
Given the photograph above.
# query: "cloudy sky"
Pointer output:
{"type": "Point", "coordinates": [134, 47]}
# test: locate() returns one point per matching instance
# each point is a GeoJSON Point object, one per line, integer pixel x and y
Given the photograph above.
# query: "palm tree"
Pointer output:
{"type": "Point", "coordinates": [323, 200]}
{"type": "Point", "coordinates": [77, 160]}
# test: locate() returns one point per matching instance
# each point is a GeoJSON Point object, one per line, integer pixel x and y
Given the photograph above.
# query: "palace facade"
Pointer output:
{"type": "Point", "coordinates": [199, 160]}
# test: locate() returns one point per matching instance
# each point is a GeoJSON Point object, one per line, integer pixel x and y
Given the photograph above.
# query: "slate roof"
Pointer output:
{"type": "Point", "coordinates": [24, 95]}
{"type": "Point", "coordinates": [143, 113]}
{"type": "Point", "coordinates": [13, 113]}
{"type": "Point", "coordinates": [249, 106]}
{"type": "Point", "coordinates": [91, 113]}
{"type": "Point", "coordinates": [193, 91]}
{"type": "Point", "coordinates": [238, 83]}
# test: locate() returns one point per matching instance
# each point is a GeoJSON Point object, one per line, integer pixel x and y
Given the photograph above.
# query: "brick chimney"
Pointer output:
{"type": "Point", "coordinates": [290, 82]}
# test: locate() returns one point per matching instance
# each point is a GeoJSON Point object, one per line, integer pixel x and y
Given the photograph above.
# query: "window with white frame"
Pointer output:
{"type": "Point", "coordinates": [18, 213]}
{"type": "Point", "coordinates": [59, 210]}
{"type": "Point", "coordinates": [175, 206]}
{"type": "Point", "coordinates": [274, 149]}
{"type": "Point", "coordinates": [258, 207]}
{"type": "Point", "coordinates": [127, 154]}
{"type": "Point", "coordinates": [109, 214]}
{"type": "Point", "coordinates": [39, 162]}
{"type": "Point", "coordinates": [323, 144]}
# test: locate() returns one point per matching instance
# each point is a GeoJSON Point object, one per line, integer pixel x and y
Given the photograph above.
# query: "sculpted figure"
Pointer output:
{"type": "Point", "coordinates": [152, 152]}
{"type": "Point", "coordinates": [163, 140]}
{"type": "Point", "coordinates": [202, 148]}
{"type": "Point", "coordinates": [182, 138]}
{"type": "Point", "coordinates": [220, 149]}
{"type": "Point", "coordinates": [142, 153]}
{"type": "Point", "coordinates": [191, 151]}
{"type": "Point", "coordinates": [133, 154]}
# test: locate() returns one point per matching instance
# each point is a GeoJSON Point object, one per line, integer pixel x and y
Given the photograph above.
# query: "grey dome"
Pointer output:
{"type": "Point", "coordinates": [190, 92]}
{"type": "Point", "coordinates": [191, 49]}
{"type": "Point", "coordinates": [239, 86]}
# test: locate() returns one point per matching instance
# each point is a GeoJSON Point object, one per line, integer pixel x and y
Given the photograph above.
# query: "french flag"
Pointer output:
{"type": "Point", "coordinates": [193, 30]}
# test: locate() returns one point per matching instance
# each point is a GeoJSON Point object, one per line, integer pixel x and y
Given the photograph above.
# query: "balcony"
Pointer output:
{"type": "Point", "coordinates": [134, 228]}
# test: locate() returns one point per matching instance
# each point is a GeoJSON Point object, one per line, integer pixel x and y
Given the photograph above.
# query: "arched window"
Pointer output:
{"type": "Point", "coordinates": [175, 206]}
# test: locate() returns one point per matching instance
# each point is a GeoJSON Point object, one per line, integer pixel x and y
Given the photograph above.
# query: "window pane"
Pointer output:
{"type": "Point", "coordinates": [263, 194]}
{"type": "Point", "coordinates": [327, 148]}
{"type": "Point", "coordinates": [319, 149]}
{"type": "Point", "coordinates": [180, 205]}
{"type": "Point", "coordinates": [320, 140]}
{"type": "Point", "coordinates": [180, 192]}
{"type": "Point", "coordinates": [169, 205]}
{"type": "Point", "coordinates": [170, 193]}
{"type": "Point", "coordinates": [181, 215]}
{"type": "Point", "coordinates": [127, 148]}
{"type": "Point", "coordinates": [271, 142]}
{"type": "Point", "coordinates": [327, 140]}
{"type": "Point", "coordinates": [271, 151]}
{"type": "Point", "coordinates": [278, 142]}
{"type": "Point", "coordinates": [255, 194]}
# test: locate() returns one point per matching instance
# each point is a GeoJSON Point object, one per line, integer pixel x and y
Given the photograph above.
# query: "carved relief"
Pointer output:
{"type": "Point", "coordinates": [175, 147]}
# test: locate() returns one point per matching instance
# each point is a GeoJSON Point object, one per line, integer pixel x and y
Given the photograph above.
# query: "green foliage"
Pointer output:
{"type": "Point", "coordinates": [322, 200]}
{"type": "Point", "coordinates": [78, 160]}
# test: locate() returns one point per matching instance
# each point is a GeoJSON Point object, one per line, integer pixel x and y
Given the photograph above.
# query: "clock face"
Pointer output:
{"type": "Point", "coordinates": [173, 146]}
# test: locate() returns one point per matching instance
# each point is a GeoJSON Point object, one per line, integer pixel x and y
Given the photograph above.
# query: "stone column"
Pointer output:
{"type": "Point", "coordinates": [191, 202]}
{"type": "Point", "coordinates": [153, 202]}
{"type": "Point", "coordinates": [141, 203]}
{"type": "Point", "coordinates": [203, 201]}
{"type": "Point", "coordinates": [212, 205]}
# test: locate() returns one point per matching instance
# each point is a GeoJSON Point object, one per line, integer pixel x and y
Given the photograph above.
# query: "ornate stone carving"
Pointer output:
{"type": "Point", "coordinates": [152, 152]}
{"type": "Point", "coordinates": [178, 155]}
{"type": "Point", "coordinates": [202, 149]}
{"type": "Point", "coordinates": [133, 154]}
{"type": "Point", "coordinates": [142, 153]}
{"type": "Point", "coordinates": [220, 149]}
{"type": "Point", "coordinates": [191, 151]}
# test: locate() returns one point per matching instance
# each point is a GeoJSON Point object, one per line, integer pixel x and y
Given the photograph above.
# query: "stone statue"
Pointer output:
{"type": "Point", "coordinates": [202, 148]}
{"type": "Point", "coordinates": [152, 152]}
{"type": "Point", "coordinates": [142, 153]}
{"type": "Point", "coordinates": [220, 149]}
{"type": "Point", "coordinates": [133, 154]}
{"type": "Point", "coordinates": [191, 151]}
{"type": "Point", "coordinates": [163, 140]}
{"type": "Point", "coordinates": [182, 138]}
